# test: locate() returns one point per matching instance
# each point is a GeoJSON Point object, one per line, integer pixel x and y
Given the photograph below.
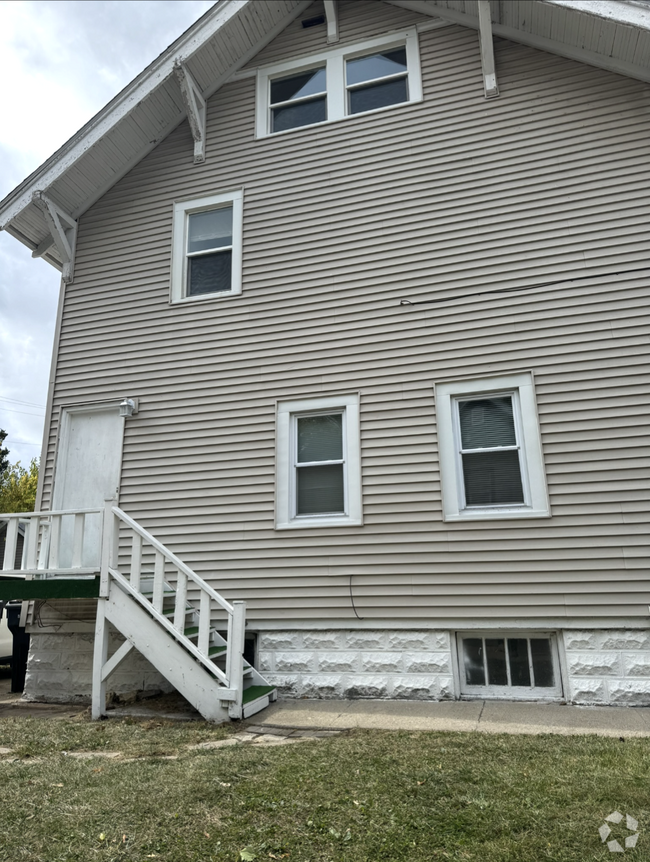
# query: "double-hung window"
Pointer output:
{"type": "Point", "coordinates": [491, 460]}
{"type": "Point", "coordinates": [206, 259]}
{"type": "Point", "coordinates": [341, 82]}
{"type": "Point", "coordinates": [318, 479]}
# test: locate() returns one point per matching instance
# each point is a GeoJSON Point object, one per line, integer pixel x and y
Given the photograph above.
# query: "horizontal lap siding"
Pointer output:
{"type": "Point", "coordinates": [446, 199]}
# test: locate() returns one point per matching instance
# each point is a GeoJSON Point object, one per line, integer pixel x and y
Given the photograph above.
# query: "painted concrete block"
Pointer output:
{"type": "Point", "coordinates": [415, 640]}
{"type": "Point", "coordinates": [588, 691]}
{"type": "Point", "coordinates": [636, 664]}
{"type": "Point", "coordinates": [287, 684]}
{"type": "Point", "coordinates": [294, 662]}
{"type": "Point", "coordinates": [381, 662]}
{"type": "Point", "coordinates": [45, 660]}
{"type": "Point", "coordinates": [362, 686]}
{"type": "Point", "coordinates": [265, 660]}
{"type": "Point", "coordinates": [322, 640]}
{"type": "Point", "coordinates": [280, 640]}
{"type": "Point", "coordinates": [580, 640]}
{"type": "Point", "coordinates": [630, 692]}
{"type": "Point", "coordinates": [636, 639]}
{"type": "Point", "coordinates": [320, 685]}
{"type": "Point", "coordinates": [366, 640]}
{"type": "Point", "coordinates": [594, 664]}
{"type": "Point", "coordinates": [427, 662]}
{"type": "Point", "coordinates": [338, 661]}
{"type": "Point", "coordinates": [411, 687]}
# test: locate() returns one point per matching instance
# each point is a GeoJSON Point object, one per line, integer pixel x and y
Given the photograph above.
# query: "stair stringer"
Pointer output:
{"type": "Point", "coordinates": [168, 656]}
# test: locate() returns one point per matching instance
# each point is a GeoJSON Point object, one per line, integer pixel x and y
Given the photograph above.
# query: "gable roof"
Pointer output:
{"type": "Point", "coordinates": [613, 34]}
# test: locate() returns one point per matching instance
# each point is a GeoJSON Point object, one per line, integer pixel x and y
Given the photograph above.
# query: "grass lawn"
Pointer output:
{"type": "Point", "coordinates": [363, 797]}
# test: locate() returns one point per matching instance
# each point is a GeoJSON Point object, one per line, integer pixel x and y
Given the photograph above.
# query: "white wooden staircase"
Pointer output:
{"type": "Point", "coordinates": [186, 630]}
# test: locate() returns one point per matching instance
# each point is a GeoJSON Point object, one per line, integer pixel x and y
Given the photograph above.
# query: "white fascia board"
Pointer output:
{"type": "Point", "coordinates": [541, 43]}
{"type": "Point", "coordinates": [129, 99]}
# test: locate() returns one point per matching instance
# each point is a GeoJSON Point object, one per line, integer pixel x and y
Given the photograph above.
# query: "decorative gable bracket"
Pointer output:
{"type": "Point", "coordinates": [196, 109]}
{"type": "Point", "coordinates": [487, 50]}
{"type": "Point", "coordinates": [63, 233]}
{"type": "Point", "coordinates": [331, 14]}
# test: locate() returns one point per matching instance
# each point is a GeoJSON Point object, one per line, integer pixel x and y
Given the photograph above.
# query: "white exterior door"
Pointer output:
{"type": "Point", "coordinates": [88, 467]}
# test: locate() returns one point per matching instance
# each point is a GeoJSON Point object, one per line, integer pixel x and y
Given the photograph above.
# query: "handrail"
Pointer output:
{"type": "Point", "coordinates": [173, 559]}
{"type": "Point", "coordinates": [6, 516]}
{"type": "Point", "coordinates": [189, 646]}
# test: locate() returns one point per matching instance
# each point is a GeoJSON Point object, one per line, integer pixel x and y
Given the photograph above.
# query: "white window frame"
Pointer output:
{"type": "Point", "coordinates": [288, 413]}
{"type": "Point", "coordinates": [510, 692]}
{"type": "Point", "coordinates": [182, 211]}
{"type": "Point", "coordinates": [334, 62]}
{"type": "Point", "coordinates": [533, 478]}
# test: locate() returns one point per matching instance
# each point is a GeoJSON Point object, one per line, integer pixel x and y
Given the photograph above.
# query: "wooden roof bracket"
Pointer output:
{"type": "Point", "coordinates": [63, 234]}
{"type": "Point", "coordinates": [332, 17]}
{"type": "Point", "coordinates": [487, 50]}
{"type": "Point", "coordinates": [195, 106]}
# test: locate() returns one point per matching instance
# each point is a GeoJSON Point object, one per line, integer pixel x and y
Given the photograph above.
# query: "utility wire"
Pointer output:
{"type": "Point", "coordinates": [525, 287]}
{"type": "Point", "coordinates": [24, 403]}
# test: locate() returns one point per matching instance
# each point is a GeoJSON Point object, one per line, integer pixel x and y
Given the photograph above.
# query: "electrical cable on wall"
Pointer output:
{"type": "Point", "coordinates": [525, 287]}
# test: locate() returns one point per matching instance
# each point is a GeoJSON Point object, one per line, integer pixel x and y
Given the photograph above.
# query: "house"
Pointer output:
{"type": "Point", "coordinates": [353, 330]}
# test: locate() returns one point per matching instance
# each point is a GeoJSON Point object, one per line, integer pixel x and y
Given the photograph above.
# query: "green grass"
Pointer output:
{"type": "Point", "coordinates": [363, 797]}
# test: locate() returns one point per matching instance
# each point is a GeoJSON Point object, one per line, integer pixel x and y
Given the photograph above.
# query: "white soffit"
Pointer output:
{"type": "Point", "coordinates": [610, 34]}
{"type": "Point", "coordinates": [229, 35]}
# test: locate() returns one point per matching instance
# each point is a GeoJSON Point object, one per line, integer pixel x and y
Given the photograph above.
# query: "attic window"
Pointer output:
{"type": "Point", "coordinates": [341, 82]}
{"type": "Point", "coordinates": [206, 259]}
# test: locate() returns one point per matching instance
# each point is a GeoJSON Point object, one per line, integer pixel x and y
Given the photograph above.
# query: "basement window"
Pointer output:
{"type": "Point", "coordinates": [341, 82]}
{"type": "Point", "coordinates": [512, 665]}
{"type": "Point", "coordinates": [206, 250]}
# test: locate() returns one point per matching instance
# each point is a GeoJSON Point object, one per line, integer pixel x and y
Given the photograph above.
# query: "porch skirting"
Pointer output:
{"type": "Point", "coordinates": [59, 670]}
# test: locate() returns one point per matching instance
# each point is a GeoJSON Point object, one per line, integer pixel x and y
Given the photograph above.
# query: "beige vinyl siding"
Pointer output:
{"type": "Point", "coordinates": [444, 199]}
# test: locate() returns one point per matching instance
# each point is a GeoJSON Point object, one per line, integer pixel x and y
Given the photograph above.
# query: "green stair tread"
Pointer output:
{"type": "Point", "coordinates": [256, 691]}
{"type": "Point", "coordinates": [216, 650]}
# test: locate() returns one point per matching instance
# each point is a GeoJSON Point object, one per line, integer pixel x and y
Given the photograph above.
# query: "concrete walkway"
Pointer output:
{"type": "Point", "coordinates": [483, 716]}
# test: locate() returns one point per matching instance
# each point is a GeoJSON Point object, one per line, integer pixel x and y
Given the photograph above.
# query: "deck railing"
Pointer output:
{"type": "Point", "coordinates": [54, 543]}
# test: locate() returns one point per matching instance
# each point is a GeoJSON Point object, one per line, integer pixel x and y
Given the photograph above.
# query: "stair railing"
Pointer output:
{"type": "Point", "coordinates": [141, 541]}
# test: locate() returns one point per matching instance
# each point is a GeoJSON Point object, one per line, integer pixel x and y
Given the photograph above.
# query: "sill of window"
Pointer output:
{"type": "Point", "coordinates": [497, 514]}
{"type": "Point", "coordinates": [204, 297]}
{"type": "Point", "coordinates": [265, 135]}
{"type": "Point", "coordinates": [319, 522]}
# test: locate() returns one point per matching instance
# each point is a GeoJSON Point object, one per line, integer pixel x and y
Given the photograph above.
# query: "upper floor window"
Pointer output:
{"type": "Point", "coordinates": [206, 255]}
{"type": "Point", "coordinates": [338, 83]}
{"type": "Point", "coordinates": [491, 460]}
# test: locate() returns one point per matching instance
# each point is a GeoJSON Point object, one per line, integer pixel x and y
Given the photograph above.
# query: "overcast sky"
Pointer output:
{"type": "Point", "coordinates": [61, 61]}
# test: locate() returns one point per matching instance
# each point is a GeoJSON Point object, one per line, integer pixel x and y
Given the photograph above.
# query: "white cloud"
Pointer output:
{"type": "Point", "coordinates": [61, 61]}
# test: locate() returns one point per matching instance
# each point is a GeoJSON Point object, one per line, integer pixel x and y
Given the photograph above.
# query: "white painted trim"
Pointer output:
{"type": "Point", "coordinates": [449, 625]}
{"type": "Point", "coordinates": [533, 474]}
{"type": "Point", "coordinates": [63, 233]}
{"type": "Point", "coordinates": [182, 209]}
{"type": "Point", "coordinates": [332, 17]}
{"type": "Point", "coordinates": [334, 61]}
{"type": "Point", "coordinates": [490, 85]}
{"type": "Point", "coordinates": [510, 692]}
{"type": "Point", "coordinates": [195, 108]}
{"type": "Point", "coordinates": [284, 497]}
